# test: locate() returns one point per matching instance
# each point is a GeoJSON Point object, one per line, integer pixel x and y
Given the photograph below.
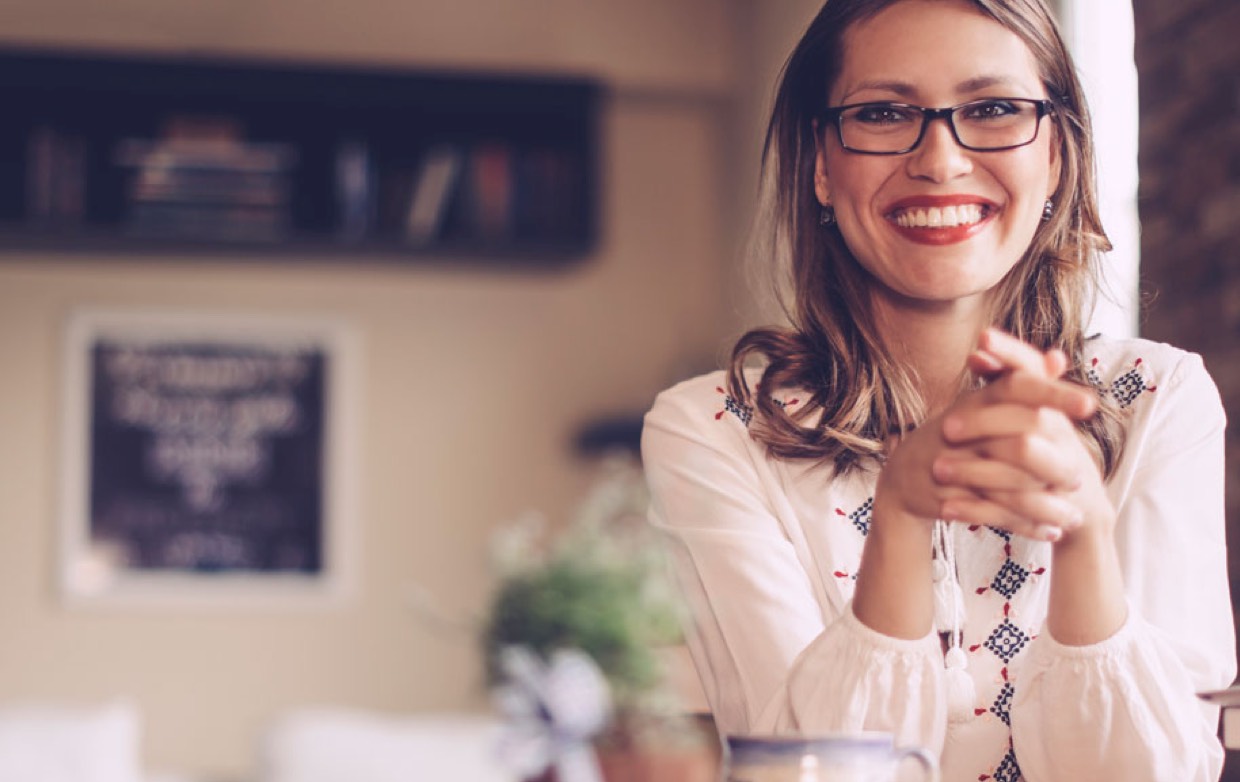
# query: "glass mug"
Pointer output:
{"type": "Point", "coordinates": [846, 757]}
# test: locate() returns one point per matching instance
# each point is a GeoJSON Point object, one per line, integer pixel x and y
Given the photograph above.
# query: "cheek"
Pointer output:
{"type": "Point", "coordinates": [854, 183]}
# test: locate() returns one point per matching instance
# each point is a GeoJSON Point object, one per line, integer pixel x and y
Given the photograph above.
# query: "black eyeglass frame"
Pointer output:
{"type": "Point", "coordinates": [1043, 106]}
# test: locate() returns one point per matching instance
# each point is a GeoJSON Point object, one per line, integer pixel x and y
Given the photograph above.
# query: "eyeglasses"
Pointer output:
{"type": "Point", "coordinates": [988, 125]}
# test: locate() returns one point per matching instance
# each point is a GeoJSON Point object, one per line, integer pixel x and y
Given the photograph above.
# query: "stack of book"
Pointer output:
{"type": "Point", "coordinates": [208, 189]}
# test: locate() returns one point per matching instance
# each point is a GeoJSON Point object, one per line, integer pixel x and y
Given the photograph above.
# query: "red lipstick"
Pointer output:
{"type": "Point", "coordinates": [940, 220]}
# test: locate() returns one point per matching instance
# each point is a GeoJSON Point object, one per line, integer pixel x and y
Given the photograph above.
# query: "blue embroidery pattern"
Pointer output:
{"type": "Point", "coordinates": [1125, 388]}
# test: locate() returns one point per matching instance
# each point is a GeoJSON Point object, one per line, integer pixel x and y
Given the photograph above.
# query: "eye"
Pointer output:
{"type": "Point", "coordinates": [991, 110]}
{"type": "Point", "coordinates": [883, 114]}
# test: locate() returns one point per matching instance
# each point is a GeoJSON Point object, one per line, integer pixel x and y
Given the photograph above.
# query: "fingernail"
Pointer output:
{"type": "Point", "coordinates": [1051, 534]}
{"type": "Point", "coordinates": [943, 469]}
{"type": "Point", "coordinates": [952, 426]}
{"type": "Point", "coordinates": [948, 511]}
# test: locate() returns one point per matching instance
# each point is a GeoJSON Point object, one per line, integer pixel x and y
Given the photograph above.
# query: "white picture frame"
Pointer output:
{"type": "Point", "coordinates": [208, 460]}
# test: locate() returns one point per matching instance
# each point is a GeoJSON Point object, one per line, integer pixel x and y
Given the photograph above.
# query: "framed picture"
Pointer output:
{"type": "Point", "coordinates": [207, 460]}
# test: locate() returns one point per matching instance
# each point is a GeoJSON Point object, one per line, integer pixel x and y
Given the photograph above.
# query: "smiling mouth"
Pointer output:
{"type": "Point", "coordinates": [940, 216]}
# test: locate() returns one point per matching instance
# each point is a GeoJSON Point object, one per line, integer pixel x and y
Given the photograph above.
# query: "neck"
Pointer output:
{"type": "Point", "coordinates": [933, 340]}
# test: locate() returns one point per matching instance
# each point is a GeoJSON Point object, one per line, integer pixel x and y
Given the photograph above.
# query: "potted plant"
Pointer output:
{"type": "Point", "coordinates": [571, 642]}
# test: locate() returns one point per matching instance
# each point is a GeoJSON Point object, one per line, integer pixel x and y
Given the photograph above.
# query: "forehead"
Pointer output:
{"type": "Point", "coordinates": [932, 51]}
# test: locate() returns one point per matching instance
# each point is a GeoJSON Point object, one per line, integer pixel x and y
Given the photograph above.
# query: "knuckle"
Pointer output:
{"type": "Point", "coordinates": [1025, 446]}
{"type": "Point", "coordinates": [1048, 418]}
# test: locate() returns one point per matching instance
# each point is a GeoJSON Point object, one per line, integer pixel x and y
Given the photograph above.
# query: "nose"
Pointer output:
{"type": "Point", "coordinates": [939, 158]}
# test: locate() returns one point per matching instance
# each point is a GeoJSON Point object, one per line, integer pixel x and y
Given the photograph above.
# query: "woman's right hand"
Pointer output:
{"type": "Point", "coordinates": [1030, 411]}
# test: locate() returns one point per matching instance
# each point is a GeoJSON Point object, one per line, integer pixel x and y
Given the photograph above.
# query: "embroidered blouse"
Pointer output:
{"type": "Point", "coordinates": [767, 552]}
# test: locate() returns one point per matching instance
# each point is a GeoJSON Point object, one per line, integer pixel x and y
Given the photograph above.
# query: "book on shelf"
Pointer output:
{"type": "Point", "coordinates": [548, 193]}
{"type": "Point", "coordinates": [55, 177]}
{"type": "Point", "coordinates": [432, 191]}
{"type": "Point", "coordinates": [490, 191]}
{"type": "Point", "coordinates": [355, 189]}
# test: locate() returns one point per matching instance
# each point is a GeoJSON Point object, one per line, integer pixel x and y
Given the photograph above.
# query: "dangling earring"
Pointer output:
{"type": "Point", "coordinates": [827, 215]}
{"type": "Point", "coordinates": [1048, 210]}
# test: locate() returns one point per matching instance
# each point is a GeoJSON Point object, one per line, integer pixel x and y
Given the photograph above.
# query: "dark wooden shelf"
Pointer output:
{"type": "Point", "coordinates": [516, 158]}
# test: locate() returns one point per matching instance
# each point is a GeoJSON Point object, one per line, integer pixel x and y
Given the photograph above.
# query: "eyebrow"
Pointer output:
{"type": "Point", "coordinates": [908, 91]}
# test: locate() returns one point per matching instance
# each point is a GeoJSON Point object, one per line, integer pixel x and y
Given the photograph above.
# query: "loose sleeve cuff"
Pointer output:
{"type": "Point", "coordinates": [854, 678]}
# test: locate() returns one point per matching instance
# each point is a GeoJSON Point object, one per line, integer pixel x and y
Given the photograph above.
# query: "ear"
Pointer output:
{"type": "Point", "coordinates": [822, 184]}
{"type": "Point", "coordinates": [1056, 160]}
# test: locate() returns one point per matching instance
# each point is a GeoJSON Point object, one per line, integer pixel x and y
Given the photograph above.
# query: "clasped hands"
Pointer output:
{"type": "Point", "coordinates": [1007, 455]}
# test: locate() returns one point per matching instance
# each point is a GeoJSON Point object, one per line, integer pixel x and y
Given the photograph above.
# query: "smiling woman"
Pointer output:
{"type": "Point", "coordinates": [935, 508]}
{"type": "Point", "coordinates": [884, 61]}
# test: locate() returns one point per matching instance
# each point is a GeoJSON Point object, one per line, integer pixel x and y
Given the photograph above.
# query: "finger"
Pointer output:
{"type": "Point", "coordinates": [984, 475]}
{"type": "Point", "coordinates": [1040, 442]}
{"type": "Point", "coordinates": [989, 513]}
{"type": "Point", "coordinates": [1045, 461]}
{"type": "Point", "coordinates": [1006, 419]}
{"type": "Point", "coordinates": [1030, 389]}
{"type": "Point", "coordinates": [1043, 508]}
{"type": "Point", "coordinates": [1011, 352]}
{"type": "Point", "coordinates": [1056, 362]}
{"type": "Point", "coordinates": [985, 365]}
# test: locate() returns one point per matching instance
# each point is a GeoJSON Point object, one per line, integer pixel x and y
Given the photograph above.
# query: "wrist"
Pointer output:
{"type": "Point", "coordinates": [891, 518]}
{"type": "Point", "coordinates": [893, 594]}
{"type": "Point", "coordinates": [1096, 531]}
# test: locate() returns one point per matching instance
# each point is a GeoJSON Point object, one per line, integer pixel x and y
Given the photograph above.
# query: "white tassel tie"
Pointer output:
{"type": "Point", "coordinates": [949, 618]}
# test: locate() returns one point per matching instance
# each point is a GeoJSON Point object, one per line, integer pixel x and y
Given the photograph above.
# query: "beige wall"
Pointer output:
{"type": "Point", "coordinates": [772, 29]}
{"type": "Point", "coordinates": [471, 384]}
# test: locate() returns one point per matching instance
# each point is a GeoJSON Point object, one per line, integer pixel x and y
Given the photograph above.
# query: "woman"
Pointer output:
{"type": "Point", "coordinates": [1007, 547]}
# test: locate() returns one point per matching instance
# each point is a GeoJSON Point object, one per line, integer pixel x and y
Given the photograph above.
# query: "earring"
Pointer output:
{"type": "Point", "coordinates": [827, 215]}
{"type": "Point", "coordinates": [1048, 210]}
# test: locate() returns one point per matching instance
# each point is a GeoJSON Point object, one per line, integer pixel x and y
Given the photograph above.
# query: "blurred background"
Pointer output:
{"type": "Point", "coordinates": [479, 360]}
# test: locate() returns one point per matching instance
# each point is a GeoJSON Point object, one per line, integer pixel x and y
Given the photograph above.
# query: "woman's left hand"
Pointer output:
{"type": "Point", "coordinates": [1017, 461]}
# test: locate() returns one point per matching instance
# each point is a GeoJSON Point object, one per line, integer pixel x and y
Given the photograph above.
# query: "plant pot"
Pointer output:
{"type": "Point", "coordinates": [645, 765]}
{"type": "Point", "coordinates": [696, 764]}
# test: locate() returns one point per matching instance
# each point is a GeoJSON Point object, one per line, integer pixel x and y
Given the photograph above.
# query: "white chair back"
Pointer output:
{"type": "Point", "coordinates": [58, 743]}
{"type": "Point", "coordinates": [355, 746]}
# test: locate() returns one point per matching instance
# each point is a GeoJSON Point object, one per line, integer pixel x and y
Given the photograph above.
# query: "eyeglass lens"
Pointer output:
{"type": "Point", "coordinates": [980, 125]}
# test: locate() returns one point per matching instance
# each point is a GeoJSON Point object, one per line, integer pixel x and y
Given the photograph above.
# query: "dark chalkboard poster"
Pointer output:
{"type": "Point", "coordinates": [204, 458]}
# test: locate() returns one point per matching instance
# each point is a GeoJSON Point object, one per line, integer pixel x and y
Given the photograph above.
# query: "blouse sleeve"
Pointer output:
{"type": "Point", "coordinates": [1126, 708]}
{"type": "Point", "coordinates": [771, 652]}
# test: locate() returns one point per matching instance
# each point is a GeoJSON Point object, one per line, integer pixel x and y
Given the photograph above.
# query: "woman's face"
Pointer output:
{"type": "Point", "coordinates": [936, 53]}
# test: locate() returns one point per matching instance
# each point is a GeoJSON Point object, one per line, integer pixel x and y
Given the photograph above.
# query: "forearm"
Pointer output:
{"type": "Point", "coordinates": [1087, 602]}
{"type": "Point", "coordinates": [894, 585]}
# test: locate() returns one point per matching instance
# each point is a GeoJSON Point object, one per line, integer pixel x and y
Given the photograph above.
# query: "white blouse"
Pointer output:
{"type": "Point", "coordinates": [767, 552]}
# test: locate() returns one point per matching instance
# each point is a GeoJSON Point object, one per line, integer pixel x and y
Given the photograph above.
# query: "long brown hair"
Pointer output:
{"type": "Point", "coordinates": [858, 395]}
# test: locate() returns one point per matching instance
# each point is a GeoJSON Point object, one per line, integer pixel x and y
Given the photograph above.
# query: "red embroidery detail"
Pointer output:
{"type": "Point", "coordinates": [975, 647]}
{"type": "Point", "coordinates": [1007, 550]}
{"type": "Point", "coordinates": [840, 574]}
{"type": "Point", "coordinates": [840, 512]}
{"type": "Point", "coordinates": [979, 712]}
{"type": "Point", "coordinates": [1039, 571]}
{"type": "Point", "coordinates": [982, 590]}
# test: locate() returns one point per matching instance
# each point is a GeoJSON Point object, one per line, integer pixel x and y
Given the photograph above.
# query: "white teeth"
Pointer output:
{"type": "Point", "coordinates": [940, 217]}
